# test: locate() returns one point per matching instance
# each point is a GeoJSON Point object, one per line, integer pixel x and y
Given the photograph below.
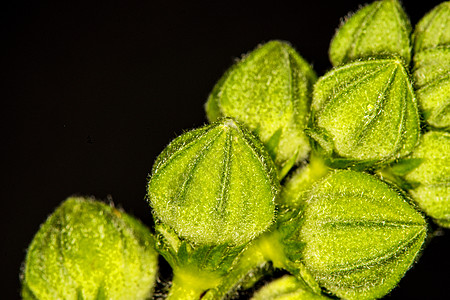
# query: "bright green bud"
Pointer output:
{"type": "Point", "coordinates": [380, 28]}
{"type": "Point", "coordinates": [360, 235]}
{"type": "Point", "coordinates": [286, 288]}
{"type": "Point", "coordinates": [89, 250]}
{"type": "Point", "coordinates": [427, 175]}
{"type": "Point", "coordinates": [432, 81]}
{"type": "Point", "coordinates": [432, 65]}
{"type": "Point", "coordinates": [269, 92]}
{"type": "Point", "coordinates": [212, 191]}
{"type": "Point", "coordinates": [214, 185]}
{"type": "Point", "coordinates": [364, 113]}
{"type": "Point", "coordinates": [433, 30]}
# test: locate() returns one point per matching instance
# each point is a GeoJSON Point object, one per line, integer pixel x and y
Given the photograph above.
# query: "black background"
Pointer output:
{"type": "Point", "coordinates": [92, 93]}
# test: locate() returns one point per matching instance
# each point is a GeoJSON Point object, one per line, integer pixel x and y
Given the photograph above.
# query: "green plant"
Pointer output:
{"type": "Point", "coordinates": [330, 179]}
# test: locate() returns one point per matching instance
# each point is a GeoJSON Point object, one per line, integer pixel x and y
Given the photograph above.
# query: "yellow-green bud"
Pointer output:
{"type": "Point", "coordinates": [432, 83]}
{"type": "Point", "coordinates": [427, 175]}
{"type": "Point", "coordinates": [433, 30]}
{"type": "Point", "coordinates": [432, 65]}
{"type": "Point", "coordinates": [360, 235]}
{"type": "Point", "coordinates": [214, 185]}
{"type": "Point", "coordinates": [269, 92]}
{"type": "Point", "coordinates": [380, 28]}
{"type": "Point", "coordinates": [364, 113]}
{"type": "Point", "coordinates": [89, 250]}
{"type": "Point", "coordinates": [286, 288]}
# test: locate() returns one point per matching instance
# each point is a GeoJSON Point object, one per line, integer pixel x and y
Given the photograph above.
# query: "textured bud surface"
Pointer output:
{"type": "Point", "coordinates": [286, 288]}
{"type": "Point", "coordinates": [433, 29]}
{"type": "Point", "coordinates": [215, 185]}
{"type": "Point", "coordinates": [380, 28]}
{"type": "Point", "coordinates": [432, 81]}
{"type": "Point", "coordinates": [432, 176]}
{"type": "Point", "coordinates": [89, 250]}
{"type": "Point", "coordinates": [364, 112]}
{"type": "Point", "coordinates": [269, 92]}
{"type": "Point", "coordinates": [360, 235]}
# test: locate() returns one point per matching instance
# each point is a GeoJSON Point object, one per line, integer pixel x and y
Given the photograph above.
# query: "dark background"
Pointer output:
{"type": "Point", "coordinates": [92, 93]}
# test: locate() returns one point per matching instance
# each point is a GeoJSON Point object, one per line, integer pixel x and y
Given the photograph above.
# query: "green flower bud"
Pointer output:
{"type": "Point", "coordinates": [427, 175]}
{"type": "Point", "coordinates": [433, 29]}
{"type": "Point", "coordinates": [286, 288]}
{"type": "Point", "coordinates": [212, 191]}
{"type": "Point", "coordinates": [360, 235]}
{"type": "Point", "coordinates": [364, 113]}
{"type": "Point", "coordinates": [214, 185]}
{"type": "Point", "coordinates": [89, 250]}
{"type": "Point", "coordinates": [269, 92]}
{"type": "Point", "coordinates": [432, 81]}
{"type": "Point", "coordinates": [432, 65]}
{"type": "Point", "coordinates": [380, 28]}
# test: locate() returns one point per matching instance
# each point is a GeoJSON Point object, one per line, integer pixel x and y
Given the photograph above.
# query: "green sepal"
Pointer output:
{"type": "Point", "coordinates": [268, 91]}
{"type": "Point", "coordinates": [273, 141]}
{"type": "Point", "coordinates": [361, 234]}
{"type": "Point", "coordinates": [287, 228]}
{"type": "Point", "coordinates": [282, 246]}
{"type": "Point", "coordinates": [197, 269]}
{"type": "Point", "coordinates": [182, 254]}
{"type": "Point", "coordinates": [379, 28]}
{"type": "Point", "coordinates": [433, 30]}
{"type": "Point", "coordinates": [395, 172]}
{"type": "Point", "coordinates": [405, 165]}
{"type": "Point", "coordinates": [248, 269]}
{"type": "Point", "coordinates": [364, 114]}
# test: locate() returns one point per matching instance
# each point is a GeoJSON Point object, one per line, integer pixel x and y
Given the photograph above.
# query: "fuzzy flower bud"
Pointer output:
{"type": "Point", "coordinates": [360, 235]}
{"type": "Point", "coordinates": [426, 174]}
{"type": "Point", "coordinates": [432, 66]}
{"type": "Point", "coordinates": [433, 30]}
{"type": "Point", "coordinates": [364, 113]}
{"type": "Point", "coordinates": [214, 185]}
{"type": "Point", "coordinates": [269, 92]}
{"type": "Point", "coordinates": [89, 250]}
{"type": "Point", "coordinates": [380, 28]}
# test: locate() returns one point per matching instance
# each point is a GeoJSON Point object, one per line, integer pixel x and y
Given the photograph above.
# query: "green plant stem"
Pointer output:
{"type": "Point", "coordinates": [181, 290]}
{"type": "Point", "coordinates": [189, 283]}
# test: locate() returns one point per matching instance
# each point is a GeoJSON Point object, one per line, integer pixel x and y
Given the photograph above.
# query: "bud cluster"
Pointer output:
{"type": "Point", "coordinates": [328, 178]}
